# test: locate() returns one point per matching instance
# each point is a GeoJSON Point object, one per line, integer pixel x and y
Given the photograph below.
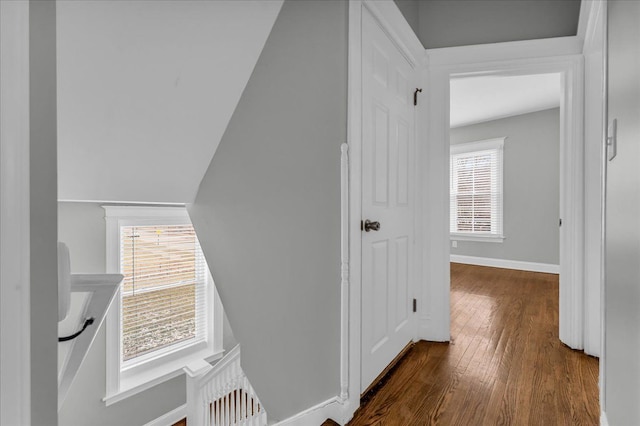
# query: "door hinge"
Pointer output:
{"type": "Point", "coordinates": [415, 96]}
{"type": "Point", "coordinates": [362, 225]}
{"type": "Point", "coordinates": [560, 222]}
{"type": "Point", "coordinates": [415, 305]}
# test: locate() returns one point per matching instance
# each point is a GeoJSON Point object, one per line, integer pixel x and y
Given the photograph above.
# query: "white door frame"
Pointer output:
{"type": "Point", "coordinates": [515, 58]}
{"type": "Point", "coordinates": [15, 360]}
{"type": "Point", "coordinates": [432, 226]}
{"type": "Point", "coordinates": [394, 24]}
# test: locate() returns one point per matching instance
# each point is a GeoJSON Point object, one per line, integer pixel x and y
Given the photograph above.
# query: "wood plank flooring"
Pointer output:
{"type": "Point", "coordinates": [504, 366]}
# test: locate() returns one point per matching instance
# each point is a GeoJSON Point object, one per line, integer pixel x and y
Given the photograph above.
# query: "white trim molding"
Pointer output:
{"type": "Point", "coordinates": [354, 133]}
{"type": "Point", "coordinates": [15, 323]}
{"type": "Point", "coordinates": [511, 50]}
{"type": "Point", "coordinates": [344, 273]}
{"type": "Point", "coordinates": [387, 14]}
{"type": "Point", "coordinates": [457, 236]}
{"type": "Point", "coordinates": [170, 418]}
{"type": "Point", "coordinates": [570, 67]}
{"type": "Point", "coordinates": [329, 409]}
{"type": "Point", "coordinates": [548, 268]}
{"type": "Point", "coordinates": [594, 157]}
{"type": "Point", "coordinates": [603, 419]}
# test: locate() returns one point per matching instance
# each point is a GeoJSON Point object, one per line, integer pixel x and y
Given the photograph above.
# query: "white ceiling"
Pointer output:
{"type": "Point", "coordinates": [146, 90]}
{"type": "Point", "coordinates": [485, 98]}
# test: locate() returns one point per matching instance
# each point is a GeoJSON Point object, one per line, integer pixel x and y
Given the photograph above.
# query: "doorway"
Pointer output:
{"type": "Point", "coordinates": [505, 171]}
{"type": "Point", "coordinates": [571, 183]}
{"type": "Point", "coordinates": [433, 244]}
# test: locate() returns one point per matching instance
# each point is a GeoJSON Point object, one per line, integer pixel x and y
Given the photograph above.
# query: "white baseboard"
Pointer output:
{"type": "Point", "coordinates": [603, 419]}
{"type": "Point", "coordinates": [170, 418]}
{"type": "Point", "coordinates": [329, 409]}
{"type": "Point", "coordinates": [507, 264]}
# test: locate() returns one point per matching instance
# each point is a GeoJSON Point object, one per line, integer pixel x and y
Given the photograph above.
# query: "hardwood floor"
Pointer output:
{"type": "Point", "coordinates": [504, 366]}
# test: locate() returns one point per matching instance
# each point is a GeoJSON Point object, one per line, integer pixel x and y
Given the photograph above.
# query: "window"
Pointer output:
{"type": "Point", "coordinates": [476, 190]}
{"type": "Point", "coordinates": [163, 315]}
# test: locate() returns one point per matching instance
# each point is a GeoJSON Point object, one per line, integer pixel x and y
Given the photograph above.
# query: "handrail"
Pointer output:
{"type": "Point", "coordinates": [221, 365]}
{"type": "Point", "coordinates": [87, 323]}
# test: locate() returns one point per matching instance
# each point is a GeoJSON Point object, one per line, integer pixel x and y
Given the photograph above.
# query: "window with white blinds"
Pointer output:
{"type": "Point", "coordinates": [168, 313]}
{"type": "Point", "coordinates": [164, 289]}
{"type": "Point", "coordinates": [476, 189]}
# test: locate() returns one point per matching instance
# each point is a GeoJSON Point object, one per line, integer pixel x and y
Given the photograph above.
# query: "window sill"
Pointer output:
{"type": "Point", "coordinates": [153, 377]}
{"type": "Point", "coordinates": [477, 238]}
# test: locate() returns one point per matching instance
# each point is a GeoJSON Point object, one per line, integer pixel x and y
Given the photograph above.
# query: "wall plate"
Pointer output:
{"type": "Point", "coordinates": [612, 140]}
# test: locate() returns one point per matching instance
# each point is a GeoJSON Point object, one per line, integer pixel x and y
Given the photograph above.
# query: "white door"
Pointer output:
{"type": "Point", "coordinates": [387, 197]}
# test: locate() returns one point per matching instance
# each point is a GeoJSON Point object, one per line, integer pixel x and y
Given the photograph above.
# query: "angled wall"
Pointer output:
{"type": "Point", "coordinates": [268, 209]}
{"type": "Point", "coordinates": [146, 90]}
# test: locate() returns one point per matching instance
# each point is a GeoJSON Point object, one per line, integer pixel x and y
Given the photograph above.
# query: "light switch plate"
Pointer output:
{"type": "Point", "coordinates": [612, 140]}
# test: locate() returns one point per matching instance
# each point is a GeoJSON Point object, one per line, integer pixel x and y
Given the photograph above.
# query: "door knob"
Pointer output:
{"type": "Point", "coordinates": [371, 226]}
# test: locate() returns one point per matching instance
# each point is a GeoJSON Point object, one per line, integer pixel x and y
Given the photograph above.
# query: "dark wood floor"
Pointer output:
{"type": "Point", "coordinates": [504, 366]}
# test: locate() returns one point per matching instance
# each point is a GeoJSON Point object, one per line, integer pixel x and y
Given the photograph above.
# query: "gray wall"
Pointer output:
{"type": "Point", "coordinates": [622, 276]}
{"type": "Point", "coordinates": [268, 210]}
{"type": "Point", "coordinates": [82, 227]}
{"type": "Point", "coordinates": [531, 186]}
{"type": "Point", "coordinates": [447, 23]}
{"type": "Point", "coordinates": [43, 216]}
{"type": "Point", "coordinates": [410, 11]}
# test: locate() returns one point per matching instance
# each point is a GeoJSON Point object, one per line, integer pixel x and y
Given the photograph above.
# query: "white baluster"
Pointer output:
{"type": "Point", "coordinates": [226, 397]}
{"type": "Point", "coordinates": [234, 400]}
{"type": "Point", "coordinates": [238, 402]}
{"type": "Point", "coordinates": [245, 414]}
{"type": "Point", "coordinates": [218, 423]}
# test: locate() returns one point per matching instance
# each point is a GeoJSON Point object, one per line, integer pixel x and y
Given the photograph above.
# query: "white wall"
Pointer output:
{"type": "Point", "coordinates": [531, 186]}
{"type": "Point", "coordinates": [268, 210]}
{"type": "Point", "coordinates": [43, 232]}
{"type": "Point", "coordinates": [83, 228]}
{"type": "Point", "coordinates": [15, 361]}
{"type": "Point", "coordinates": [146, 89]}
{"type": "Point", "coordinates": [622, 279]}
{"type": "Point", "coordinates": [594, 172]}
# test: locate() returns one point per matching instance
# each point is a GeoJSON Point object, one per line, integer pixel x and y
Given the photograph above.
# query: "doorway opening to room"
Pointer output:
{"type": "Point", "coordinates": [513, 181]}
{"type": "Point", "coordinates": [514, 261]}
{"type": "Point", "coordinates": [571, 182]}
{"type": "Point", "coordinates": [505, 209]}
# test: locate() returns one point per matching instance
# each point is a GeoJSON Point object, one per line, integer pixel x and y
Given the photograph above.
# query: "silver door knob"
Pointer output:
{"type": "Point", "coordinates": [371, 226]}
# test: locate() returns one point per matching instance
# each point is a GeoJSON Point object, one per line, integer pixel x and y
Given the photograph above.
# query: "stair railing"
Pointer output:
{"type": "Point", "coordinates": [221, 395]}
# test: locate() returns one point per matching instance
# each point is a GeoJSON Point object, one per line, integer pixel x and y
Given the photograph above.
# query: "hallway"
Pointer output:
{"type": "Point", "coordinates": [504, 366]}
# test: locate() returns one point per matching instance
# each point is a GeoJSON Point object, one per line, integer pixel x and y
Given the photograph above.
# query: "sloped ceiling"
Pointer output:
{"type": "Point", "coordinates": [480, 99]}
{"type": "Point", "coordinates": [145, 92]}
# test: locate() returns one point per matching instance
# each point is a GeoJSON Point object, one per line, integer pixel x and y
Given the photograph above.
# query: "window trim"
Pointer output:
{"type": "Point", "coordinates": [125, 379]}
{"type": "Point", "coordinates": [476, 146]}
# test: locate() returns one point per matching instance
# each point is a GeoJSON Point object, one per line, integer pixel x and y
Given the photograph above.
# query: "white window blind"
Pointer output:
{"type": "Point", "coordinates": [476, 188]}
{"type": "Point", "coordinates": [164, 290]}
